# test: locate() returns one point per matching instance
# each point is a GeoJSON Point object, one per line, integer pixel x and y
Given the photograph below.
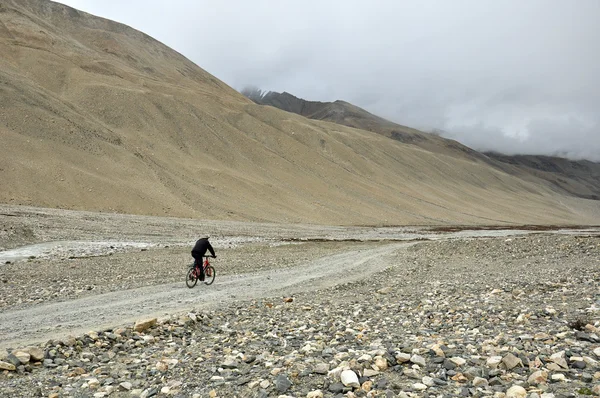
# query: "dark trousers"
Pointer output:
{"type": "Point", "coordinates": [198, 264]}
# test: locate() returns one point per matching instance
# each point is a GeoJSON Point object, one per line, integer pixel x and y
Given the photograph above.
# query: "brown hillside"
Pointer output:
{"type": "Point", "coordinates": [576, 178]}
{"type": "Point", "coordinates": [342, 112]}
{"type": "Point", "coordinates": [95, 115]}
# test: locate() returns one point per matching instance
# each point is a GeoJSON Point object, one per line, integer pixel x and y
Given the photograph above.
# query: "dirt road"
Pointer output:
{"type": "Point", "coordinates": [96, 312]}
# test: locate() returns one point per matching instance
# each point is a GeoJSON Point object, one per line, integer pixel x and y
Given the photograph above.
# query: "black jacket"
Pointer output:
{"type": "Point", "coordinates": [200, 248]}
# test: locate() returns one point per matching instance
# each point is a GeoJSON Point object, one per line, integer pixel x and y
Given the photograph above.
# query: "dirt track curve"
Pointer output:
{"type": "Point", "coordinates": [52, 320]}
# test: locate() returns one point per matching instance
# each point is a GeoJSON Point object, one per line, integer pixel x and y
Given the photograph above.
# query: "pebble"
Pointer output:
{"type": "Point", "coordinates": [494, 361]}
{"type": "Point", "coordinates": [418, 360]}
{"type": "Point", "coordinates": [125, 386]}
{"type": "Point", "coordinates": [419, 386]}
{"type": "Point", "coordinates": [282, 383]}
{"type": "Point", "coordinates": [510, 361]}
{"type": "Point", "coordinates": [538, 377]}
{"type": "Point", "coordinates": [457, 361]}
{"type": "Point", "coordinates": [428, 381]}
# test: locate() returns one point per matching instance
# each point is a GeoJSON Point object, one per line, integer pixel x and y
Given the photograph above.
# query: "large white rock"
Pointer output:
{"type": "Point", "coordinates": [494, 361]}
{"type": "Point", "coordinates": [349, 378]}
{"type": "Point", "coordinates": [419, 386]}
{"type": "Point", "coordinates": [428, 381]}
{"type": "Point", "coordinates": [418, 360]}
{"type": "Point", "coordinates": [402, 357]}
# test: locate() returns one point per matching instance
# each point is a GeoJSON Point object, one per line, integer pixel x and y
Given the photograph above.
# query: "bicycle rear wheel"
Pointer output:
{"type": "Point", "coordinates": [190, 278]}
{"type": "Point", "coordinates": [209, 275]}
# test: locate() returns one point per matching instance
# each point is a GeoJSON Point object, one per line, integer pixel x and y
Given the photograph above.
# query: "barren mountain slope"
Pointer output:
{"type": "Point", "coordinates": [577, 178]}
{"type": "Point", "coordinates": [342, 112]}
{"type": "Point", "coordinates": [96, 115]}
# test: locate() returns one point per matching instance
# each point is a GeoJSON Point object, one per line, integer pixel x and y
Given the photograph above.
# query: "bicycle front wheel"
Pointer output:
{"type": "Point", "coordinates": [209, 275]}
{"type": "Point", "coordinates": [190, 278]}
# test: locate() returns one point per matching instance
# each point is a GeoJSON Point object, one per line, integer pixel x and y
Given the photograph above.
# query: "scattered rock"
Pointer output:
{"type": "Point", "coordinates": [538, 377]}
{"type": "Point", "coordinates": [282, 383]}
{"type": "Point", "coordinates": [143, 325]}
{"type": "Point", "coordinates": [7, 366]}
{"type": "Point", "coordinates": [418, 360]}
{"type": "Point", "coordinates": [36, 353]}
{"type": "Point", "coordinates": [349, 379]}
{"type": "Point", "coordinates": [23, 356]}
{"type": "Point", "coordinates": [510, 361]}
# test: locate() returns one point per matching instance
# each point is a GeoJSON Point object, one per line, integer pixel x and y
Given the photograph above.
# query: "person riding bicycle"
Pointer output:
{"type": "Point", "coordinates": [199, 250]}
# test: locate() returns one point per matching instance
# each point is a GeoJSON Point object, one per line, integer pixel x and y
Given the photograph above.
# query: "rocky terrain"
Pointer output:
{"type": "Point", "coordinates": [95, 115]}
{"type": "Point", "coordinates": [507, 316]}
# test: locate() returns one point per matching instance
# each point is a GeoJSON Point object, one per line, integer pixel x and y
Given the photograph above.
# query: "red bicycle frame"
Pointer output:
{"type": "Point", "coordinates": [205, 265]}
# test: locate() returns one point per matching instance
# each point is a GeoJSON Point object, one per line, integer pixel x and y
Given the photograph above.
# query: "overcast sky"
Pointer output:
{"type": "Point", "coordinates": [507, 75]}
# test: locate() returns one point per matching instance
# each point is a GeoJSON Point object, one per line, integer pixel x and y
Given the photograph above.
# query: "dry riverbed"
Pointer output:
{"type": "Point", "coordinates": [490, 317]}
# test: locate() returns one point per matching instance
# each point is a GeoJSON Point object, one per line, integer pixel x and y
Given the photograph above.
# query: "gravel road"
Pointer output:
{"type": "Point", "coordinates": [59, 319]}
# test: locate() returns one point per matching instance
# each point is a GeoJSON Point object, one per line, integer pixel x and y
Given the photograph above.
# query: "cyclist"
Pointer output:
{"type": "Point", "coordinates": [199, 250]}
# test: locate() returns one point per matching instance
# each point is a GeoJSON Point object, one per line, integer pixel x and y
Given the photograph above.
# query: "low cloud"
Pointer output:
{"type": "Point", "coordinates": [512, 76]}
{"type": "Point", "coordinates": [563, 138]}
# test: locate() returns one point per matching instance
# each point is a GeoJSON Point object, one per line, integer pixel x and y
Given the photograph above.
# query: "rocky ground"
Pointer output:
{"type": "Point", "coordinates": [496, 317]}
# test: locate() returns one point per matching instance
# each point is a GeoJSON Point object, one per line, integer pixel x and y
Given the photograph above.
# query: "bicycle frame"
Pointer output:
{"type": "Point", "coordinates": [205, 264]}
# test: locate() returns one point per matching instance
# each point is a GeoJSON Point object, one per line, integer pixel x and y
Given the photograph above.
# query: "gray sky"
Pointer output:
{"type": "Point", "coordinates": [508, 75]}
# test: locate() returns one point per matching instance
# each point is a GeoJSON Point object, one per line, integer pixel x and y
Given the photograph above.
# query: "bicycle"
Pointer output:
{"type": "Point", "coordinates": [193, 275]}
